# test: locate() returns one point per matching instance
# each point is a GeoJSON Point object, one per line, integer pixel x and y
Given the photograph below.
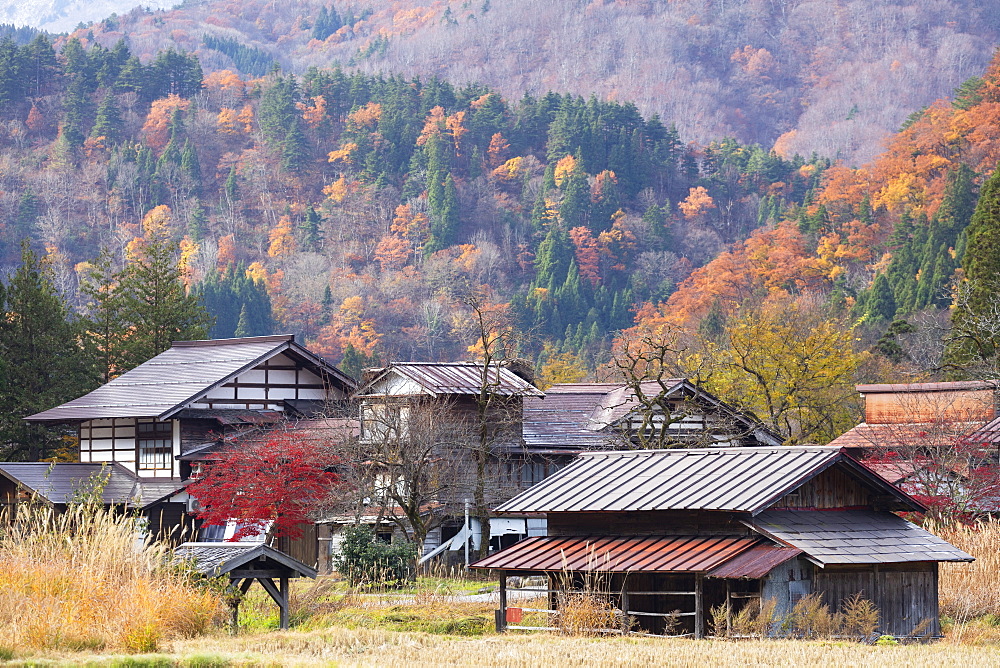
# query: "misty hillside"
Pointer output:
{"type": "Point", "coordinates": [57, 16]}
{"type": "Point", "coordinates": [804, 77]}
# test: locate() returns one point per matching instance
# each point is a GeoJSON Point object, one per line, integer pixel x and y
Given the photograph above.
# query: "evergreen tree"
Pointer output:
{"type": "Point", "coordinates": [42, 361]}
{"type": "Point", "coordinates": [442, 200]}
{"type": "Point", "coordinates": [982, 269]}
{"type": "Point", "coordinates": [881, 304]}
{"type": "Point", "coordinates": [312, 233]}
{"type": "Point", "coordinates": [156, 308]}
{"type": "Point", "coordinates": [108, 123]}
{"type": "Point", "coordinates": [104, 322]}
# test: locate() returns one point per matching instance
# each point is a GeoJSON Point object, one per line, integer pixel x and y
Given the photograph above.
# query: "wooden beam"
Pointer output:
{"type": "Point", "coordinates": [258, 573]}
{"type": "Point", "coordinates": [279, 596]}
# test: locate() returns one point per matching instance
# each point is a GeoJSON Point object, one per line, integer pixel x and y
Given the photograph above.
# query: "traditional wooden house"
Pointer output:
{"type": "Point", "coordinates": [58, 485]}
{"type": "Point", "coordinates": [152, 424]}
{"type": "Point", "coordinates": [936, 441]}
{"type": "Point", "coordinates": [674, 533]}
{"type": "Point", "coordinates": [540, 433]}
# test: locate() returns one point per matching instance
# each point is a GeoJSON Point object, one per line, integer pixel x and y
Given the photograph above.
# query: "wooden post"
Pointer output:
{"type": "Point", "coordinates": [729, 608]}
{"type": "Point", "coordinates": [699, 622]}
{"type": "Point", "coordinates": [502, 617]}
{"type": "Point", "coordinates": [283, 584]}
{"type": "Point", "coordinates": [625, 624]}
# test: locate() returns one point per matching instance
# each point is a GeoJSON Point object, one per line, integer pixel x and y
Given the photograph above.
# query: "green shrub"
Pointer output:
{"type": "Point", "coordinates": [363, 560]}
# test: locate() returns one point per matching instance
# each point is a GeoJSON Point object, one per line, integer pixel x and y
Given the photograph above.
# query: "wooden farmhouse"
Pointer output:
{"type": "Point", "coordinates": [674, 533]}
{"type": "Point", "coordinates": [533, 433]}
{"type": "Point", "coordinates": [152, 424]}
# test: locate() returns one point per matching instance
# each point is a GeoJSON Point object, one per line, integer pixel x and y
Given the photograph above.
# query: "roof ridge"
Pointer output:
{"type": "Point", "coordinates": [272, 338]}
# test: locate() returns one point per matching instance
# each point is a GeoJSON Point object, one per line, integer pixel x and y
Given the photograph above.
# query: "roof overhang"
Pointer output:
{"type": "Point", "coordinates": [616, 554]}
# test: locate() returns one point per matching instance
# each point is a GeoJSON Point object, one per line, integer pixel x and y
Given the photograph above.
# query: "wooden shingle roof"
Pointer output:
{"type": "Point", "coordinates": [214, 559]}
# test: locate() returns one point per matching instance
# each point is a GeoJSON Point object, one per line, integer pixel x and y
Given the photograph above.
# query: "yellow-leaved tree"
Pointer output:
{"type": "Point", "coordinates": [789, 364]}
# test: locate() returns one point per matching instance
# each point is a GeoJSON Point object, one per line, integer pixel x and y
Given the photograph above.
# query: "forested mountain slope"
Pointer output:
{"type": "Point", "coordinates": [805, 76]}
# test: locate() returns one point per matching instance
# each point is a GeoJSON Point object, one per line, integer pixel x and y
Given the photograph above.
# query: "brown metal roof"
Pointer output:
{"type": "Point", "coordinates": [893, 388]}
{"type": "Point", "coordinates": [729, 479]}
{"type": "Point", "coordinates": [656, 554]}
{"type": "Point", "coordinates": [907, 435]}
{"type": "Point", "coordinates": [176, 377]}
{"type": "Point", "coordinates": [854, 537]}
{"type": "Point", "coordinates": [437, 378]}
{"type": "Point", "coordinates": [755, 563]}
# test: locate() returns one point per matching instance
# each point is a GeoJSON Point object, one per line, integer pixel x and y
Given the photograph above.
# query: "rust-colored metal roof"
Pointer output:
{"type": "Point", "coordinates": [612, 554]}
{"type": "Point", "coordinates": [756, 562]}
{"type": "Point", "coordinates": [890, 437]}
{"type": "Point", "coordinates": [894, 388]}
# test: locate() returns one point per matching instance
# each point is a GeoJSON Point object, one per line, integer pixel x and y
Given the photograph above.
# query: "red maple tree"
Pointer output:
{"type": "Point", "coordinates": [268, 484]}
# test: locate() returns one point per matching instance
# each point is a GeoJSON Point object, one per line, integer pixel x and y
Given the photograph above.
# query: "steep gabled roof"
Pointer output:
{"type": "Point", "coordinates": [186, 372]}
{"type": "Point", "coordinates": [584, 415]}
{"type": "Point", "coordinates": [215, 559]}
{"type": "Point", "coordinates": [59, 483]}
{"type": "Point", "coordinates": [718, 479]}
{"type": "Point", "coordinates": [448, 378]}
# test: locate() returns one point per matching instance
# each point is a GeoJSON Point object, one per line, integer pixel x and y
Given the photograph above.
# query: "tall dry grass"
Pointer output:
{"type": "Point", "coordinates": [81, 580]}
{"type": "Point", "coordinates": [970, 590]}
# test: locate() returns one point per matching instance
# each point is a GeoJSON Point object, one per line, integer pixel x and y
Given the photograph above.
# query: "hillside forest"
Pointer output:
{"type": "Point", "coordinates": [370, 214]}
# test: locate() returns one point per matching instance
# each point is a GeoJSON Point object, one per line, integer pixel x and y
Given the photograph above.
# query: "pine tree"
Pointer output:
{"type": "Point", "coordinates": [443, 203]}
{"type": "Point", "coordinates": [42, 360]}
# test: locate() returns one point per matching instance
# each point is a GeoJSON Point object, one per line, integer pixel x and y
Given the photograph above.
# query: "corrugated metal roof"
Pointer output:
{"type": "Point", "coordinates": [735, 479]}
{"type": "Point", "coordinates": [893, 388]}
{"type": "Point", "coordinates": [756, 562]}
{"type": "Point", "coordinates": [456, 378]}
{"type": "Point", "coordinates": [214, 559]}
{"type": "Point", "coordinates": [180, 375]}
{"type": "Point", "coordinates": [650, 554]}
{"type": "Point", "coordinates": [61, 482]}
{"type": "Point", "coordinates": [854, 537]}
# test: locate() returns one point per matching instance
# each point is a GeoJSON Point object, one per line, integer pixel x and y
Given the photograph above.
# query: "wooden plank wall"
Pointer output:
{"type": "Point", "coordinates": [905, 594]}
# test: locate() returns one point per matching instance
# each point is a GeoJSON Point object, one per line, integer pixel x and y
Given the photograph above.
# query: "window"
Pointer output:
{"type": "Point", "coordinates": [156, 446]}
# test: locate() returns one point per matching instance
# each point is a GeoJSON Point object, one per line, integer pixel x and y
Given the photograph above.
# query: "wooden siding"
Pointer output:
{"type": "Point", "coordinates": [833, 488]}
{"type": "Point", "coordinates": [952, 405]}
{"type": "Point", "coordinates": [115, 440]}
{"type": "Point", "coordinates": [905, 594]}
{"type": "Point", "coordinates": [304, 547]}
{"type": "Point", "coordinates": [649, 523]}
{"type": "Point", "coordinates": [170, 522]}
{"type": "Point", "coordinates": [266, 386]}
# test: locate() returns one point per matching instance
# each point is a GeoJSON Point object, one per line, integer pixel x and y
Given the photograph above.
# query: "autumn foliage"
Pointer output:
{"type": "Point", "coordinates": [270, 483]}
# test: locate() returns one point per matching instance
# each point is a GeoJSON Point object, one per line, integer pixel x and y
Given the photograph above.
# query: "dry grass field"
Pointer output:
{"type": "Point", "coordinates": [79, 593]}
{"type": "Point", "coordinates": [366, 647]}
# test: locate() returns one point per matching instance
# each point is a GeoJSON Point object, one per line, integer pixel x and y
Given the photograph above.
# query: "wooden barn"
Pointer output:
{"type": "Point", "coordinates": [670, 534]}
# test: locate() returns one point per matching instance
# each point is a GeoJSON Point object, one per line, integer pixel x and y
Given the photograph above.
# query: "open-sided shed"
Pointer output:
{"type": "Point", "coordinates": [676, 532]}
{"type": "Point", "coordinates": [244, 564]}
